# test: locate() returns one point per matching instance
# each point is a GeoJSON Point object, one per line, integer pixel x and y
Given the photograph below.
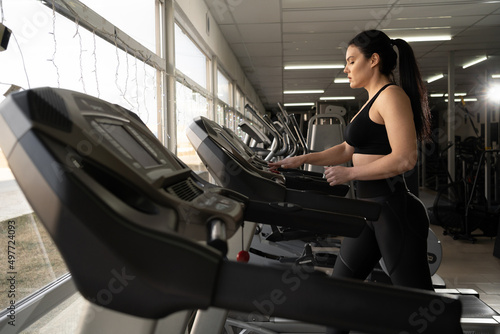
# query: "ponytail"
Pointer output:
{"type": "Point", "coordinates": [411, 82]}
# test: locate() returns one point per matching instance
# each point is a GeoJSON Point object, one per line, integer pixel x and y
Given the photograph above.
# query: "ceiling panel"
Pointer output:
{"type": "Point", "coordinates": [267, 34]}
{"type": "Point", "coordinates": [301, 4]}
{"type": "Point", "coordinates": [257, 33]}
{"type": "Point", "coordinates": [257, 49]}
{"type": "Point", "coordinates": [454, 9]}
{"type": "Point", "coordinates": [316, 27]}
{"type": "Point", "coordinates": [256, 11]}
{"type": "Point", "coordinates": [325, 14]}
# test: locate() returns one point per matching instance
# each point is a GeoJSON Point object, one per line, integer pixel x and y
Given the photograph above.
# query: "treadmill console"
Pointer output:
{"type": "Point", "coordinates": [111, 150]}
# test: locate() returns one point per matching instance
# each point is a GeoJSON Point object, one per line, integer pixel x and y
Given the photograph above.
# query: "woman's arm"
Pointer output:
{"type": "Point", "coordinates": [335, 155]}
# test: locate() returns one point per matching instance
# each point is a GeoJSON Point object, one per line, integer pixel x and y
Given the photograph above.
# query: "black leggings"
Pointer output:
{"type": "Point", "coordinates": [399, 236]}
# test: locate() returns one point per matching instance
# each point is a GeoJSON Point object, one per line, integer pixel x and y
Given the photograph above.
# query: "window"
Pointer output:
{"type": "Point", "coordinates": [224, 88]}
{"type": "Point", "coordinates": [136, 21]}
{"type": "Point", "coordinates": [59, 53]}
{"type": "Point", "coordinates": [239, 101]}
{"type": "Point", "coordinates": [219, 114]}
{"type": "Point", "coordinates": [189, 105]}
{"type": "Point", "coordinates": [189, 59]}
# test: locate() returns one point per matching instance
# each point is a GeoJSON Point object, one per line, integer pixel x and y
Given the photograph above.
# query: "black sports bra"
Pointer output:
{"type": "Point", "coordinates": [366, 136]}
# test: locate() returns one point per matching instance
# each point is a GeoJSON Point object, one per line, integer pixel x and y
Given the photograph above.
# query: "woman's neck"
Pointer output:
{"type": "Point", "coordinates": [376, 84]}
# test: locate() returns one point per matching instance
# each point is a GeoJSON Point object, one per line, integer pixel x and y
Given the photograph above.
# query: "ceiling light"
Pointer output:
{"type": "Point", "coordinates": [434, 78]}
{"type": "Point", "coordinates": [341, 80]}
{"type": "Point", "coordinates": [423, 18]}
{"type": "Point", "coordinates": [303, 104]}
{"type": "Point", "coordinates": [313, 67]}
{"type": "Point", "coordinates": [417, 28]}
{"type": "Point", "coordinates": [425, 38]}
{"type": "Point", "coordinates": [495, 76]}
{"type": "Point", "coordinates": [317, 91]}
{"type": "Point", "coordinates": [471, 99]}
{"type": "Point", "coordinates": [456, 94]}
{"type": "Point", "coordinates": [446, 94]}
{"type": "Point", "coordinates": [475, 61]}
{"type": "Point", "coordinates": [337, 98]}
{"type": "Point", "coordinates": [494, 93]}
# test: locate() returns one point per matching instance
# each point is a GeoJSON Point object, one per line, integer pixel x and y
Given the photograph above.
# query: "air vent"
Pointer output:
{"type": "Point", "coordinates": [185, 190]}
{"type": "Point", "coordinates": [48, 108]}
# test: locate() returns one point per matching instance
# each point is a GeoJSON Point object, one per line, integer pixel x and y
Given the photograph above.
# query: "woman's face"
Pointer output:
{"type": "Point", "coordinates": [358, 67]}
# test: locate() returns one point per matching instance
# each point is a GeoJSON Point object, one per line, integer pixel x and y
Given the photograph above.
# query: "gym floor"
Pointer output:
{"type": "Point", "coordinates": [466, 264]}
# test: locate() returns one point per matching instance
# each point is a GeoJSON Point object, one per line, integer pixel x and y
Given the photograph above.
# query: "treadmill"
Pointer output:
{"type": "Point", "coordinates": [117, 202]}
{"type": "Point", "coordinates": [232, 165]}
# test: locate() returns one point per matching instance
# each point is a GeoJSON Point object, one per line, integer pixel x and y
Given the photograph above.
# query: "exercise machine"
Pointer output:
{"type": "Point", "coordinates": [143, 236]}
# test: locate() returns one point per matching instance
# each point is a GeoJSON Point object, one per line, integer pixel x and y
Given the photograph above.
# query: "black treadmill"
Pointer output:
{"type": "Point", "coordinates": [115, 200]}
{"type": "Point", "coordinates": [234, 166]}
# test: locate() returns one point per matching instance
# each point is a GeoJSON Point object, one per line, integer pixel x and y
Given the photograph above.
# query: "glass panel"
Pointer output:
{"type": "Point", "coordinates": [219, 117]}
{"type": "Point", "coordinates": [31, 257]}
{"type": "Point", "coordinates": [189, 104]}
{"type": "Point", "coordinates": [238, 101]}
{"type": "Point", "coordinates": [223, 88]}
{"type": "Point", "coordinates": [136, 21]}
{"type": "Point", "coordinates": [189, 59]}
{"type": "Point", "coordinates": [229, 119]}
{"type": "Point", "coordinates": [77, 60]}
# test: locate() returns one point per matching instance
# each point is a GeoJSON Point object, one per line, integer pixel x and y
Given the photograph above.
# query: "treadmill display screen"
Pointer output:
{"type": "Point", "coordinates": [130, 144]}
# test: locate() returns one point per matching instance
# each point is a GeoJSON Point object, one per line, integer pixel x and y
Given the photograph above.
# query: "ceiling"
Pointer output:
{"type": "Point", "coordinates": [266, 35]}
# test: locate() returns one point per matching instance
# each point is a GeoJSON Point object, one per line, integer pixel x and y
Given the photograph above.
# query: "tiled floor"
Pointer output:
{"type": "Point", "coordinates": [468, 265]}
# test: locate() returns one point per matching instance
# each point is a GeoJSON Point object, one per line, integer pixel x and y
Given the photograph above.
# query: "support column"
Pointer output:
{"type": "Point", "coordinates": [487, 146]}
{"type": "Point", "coordinates": [451, 113]}
{"type": "Point", "coordinates": [214, 88]}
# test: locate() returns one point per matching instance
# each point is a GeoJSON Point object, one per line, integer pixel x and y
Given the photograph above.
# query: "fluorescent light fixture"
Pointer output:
{"type": "Point", "coordinates": [446, 94]}
{"type": "Point", "coordinates": [434, 78]}
{"type": "Point", "coordinates": [470, 99]}
{"type": "Point", "coordinates": [337, 98]}
{"type": "Point", "coordinates": [314, 91]}
{"type": "Point", "coordinates": [494, 93]}
{"type": "Point", "coordinates": [303, 104]}
{"type": "Point", "coordinates": [434, 38]}
{"type": "Point", "coordinates": [341, 80]}
{"type": "Point", "coordinates": [475, 61]}
{"type": "Point", "coordinates": [417, 28]}
{"type": "Point", "coordinates": [423, 18]}
{"type": "Point", "coordinates": [456, 94]}
{"type": "Point", "coordinates": [313, 67]}
{"type": "Point", "coordinates": [495, 76]}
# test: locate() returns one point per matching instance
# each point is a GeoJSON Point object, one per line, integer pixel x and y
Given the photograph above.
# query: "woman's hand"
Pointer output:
{"type": "Point", "coordinates": [291, 162]}
{"type": "Point", "coordinates": [338, 175]}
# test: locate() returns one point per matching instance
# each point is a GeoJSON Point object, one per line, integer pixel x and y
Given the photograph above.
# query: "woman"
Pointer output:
{"type": "Point", "coordinates": [381, 141]}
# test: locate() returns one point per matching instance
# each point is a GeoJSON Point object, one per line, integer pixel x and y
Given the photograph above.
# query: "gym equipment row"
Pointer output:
{"type": "Point", "coordinates": [234, 165]}
{"type": "Point", "coordinates": [145, 237]}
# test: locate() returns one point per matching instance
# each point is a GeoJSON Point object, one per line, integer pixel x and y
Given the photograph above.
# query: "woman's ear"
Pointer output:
{"type": "Point", "coordinates": [375, 59]}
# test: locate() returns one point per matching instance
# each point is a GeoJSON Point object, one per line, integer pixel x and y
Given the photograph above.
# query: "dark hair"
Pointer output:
{"type": "Point", "coordinates": [375, 41]}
